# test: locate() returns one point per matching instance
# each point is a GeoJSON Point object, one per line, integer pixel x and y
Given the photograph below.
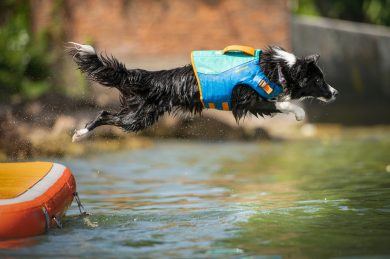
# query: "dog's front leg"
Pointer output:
{"type": "Point", "coordinates": [287, 107]}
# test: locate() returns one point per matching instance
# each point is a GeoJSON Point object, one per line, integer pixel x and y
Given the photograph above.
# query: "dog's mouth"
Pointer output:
{"type": "Point", "coordinates": [327, 100]}
{"type": "Point", "coordinates": [332, 98]}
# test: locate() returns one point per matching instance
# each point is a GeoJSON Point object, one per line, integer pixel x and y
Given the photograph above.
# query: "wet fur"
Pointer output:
{"type": "Point", "coordinates": [147, 95]}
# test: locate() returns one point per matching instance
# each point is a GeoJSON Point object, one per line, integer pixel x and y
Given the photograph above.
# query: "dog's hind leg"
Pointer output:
{"type": "Point", "coordinates": [141, 119]}
{"type": "Point", "coordinates": [104, 118]}
{"type": "Point", "coordinates": [129, 121]}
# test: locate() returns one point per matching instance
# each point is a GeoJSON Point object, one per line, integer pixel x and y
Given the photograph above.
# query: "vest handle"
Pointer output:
{"type": "Point", "coordinates": [244, 49]}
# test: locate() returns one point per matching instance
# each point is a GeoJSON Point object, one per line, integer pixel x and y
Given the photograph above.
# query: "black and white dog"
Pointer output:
{"type": "Point", "coordinates": [147, 95]}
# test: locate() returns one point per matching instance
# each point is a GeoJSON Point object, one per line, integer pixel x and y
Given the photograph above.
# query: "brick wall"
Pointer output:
{"type": "Point", "coordinates": [171, 27]}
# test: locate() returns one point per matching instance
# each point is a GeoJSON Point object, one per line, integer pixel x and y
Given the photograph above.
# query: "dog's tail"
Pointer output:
{"type": "Point", "coordinates": [105, 70]}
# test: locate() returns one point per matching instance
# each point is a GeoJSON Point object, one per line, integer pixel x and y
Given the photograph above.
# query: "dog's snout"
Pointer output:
{"type": "Point", "coordinates": [333, 91]}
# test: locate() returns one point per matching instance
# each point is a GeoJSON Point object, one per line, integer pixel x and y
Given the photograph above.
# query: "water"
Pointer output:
{"type": "Point", "coordinates": [310, 199]}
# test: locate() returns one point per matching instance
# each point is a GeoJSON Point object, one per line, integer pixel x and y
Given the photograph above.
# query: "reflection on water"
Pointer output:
{"type": "Point", "coordinates": [334, 201]}
{"type": "Point", "coordinates": [287, 199]}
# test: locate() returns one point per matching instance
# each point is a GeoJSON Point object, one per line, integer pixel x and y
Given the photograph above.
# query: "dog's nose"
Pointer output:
{"type": "Point", "coordinates": [335, 93]}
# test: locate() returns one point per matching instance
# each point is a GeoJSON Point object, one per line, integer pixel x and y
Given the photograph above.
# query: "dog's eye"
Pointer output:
{"type": "Point", "coordinates": [318, 81]}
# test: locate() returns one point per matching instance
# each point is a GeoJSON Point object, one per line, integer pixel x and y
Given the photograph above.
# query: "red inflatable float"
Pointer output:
{"type": "Point", "coordinates": [33, 197]}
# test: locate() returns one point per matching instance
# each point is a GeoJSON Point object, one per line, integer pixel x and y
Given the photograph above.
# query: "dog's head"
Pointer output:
{"type": "Point", "coordinates": [308, 81]}
{"type": "Point", "coordinates": [302, 76]}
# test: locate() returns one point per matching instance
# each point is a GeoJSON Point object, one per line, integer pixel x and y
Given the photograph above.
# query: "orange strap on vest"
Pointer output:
{"type": "Point", "coordinates": [245, 49]}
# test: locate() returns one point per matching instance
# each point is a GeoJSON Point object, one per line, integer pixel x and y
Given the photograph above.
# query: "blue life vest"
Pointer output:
{"type": "Point", "coordinates": [219, 71]}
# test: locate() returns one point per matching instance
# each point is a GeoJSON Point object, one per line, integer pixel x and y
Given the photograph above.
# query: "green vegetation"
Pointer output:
{"type": "Point", "coordinates": [24, 65]}
{"type": "Point", "coordinates": [369, 11]}
{"type": "Point", "coordinates": [30, 53]}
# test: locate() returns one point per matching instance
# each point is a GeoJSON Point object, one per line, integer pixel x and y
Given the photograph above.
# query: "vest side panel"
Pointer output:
{"type": "Point", "coordinates": [197, 78]}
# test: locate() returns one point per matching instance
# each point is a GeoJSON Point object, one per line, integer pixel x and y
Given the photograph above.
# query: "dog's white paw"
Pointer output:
{"type": "Point", "coordinates": [299, 114]}
{"type": "Point", "coordinates": [80, 134]}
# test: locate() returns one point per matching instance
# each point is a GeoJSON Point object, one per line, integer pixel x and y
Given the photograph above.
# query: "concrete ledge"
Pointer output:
{"type": "Point", "coordinates": [356, 61]}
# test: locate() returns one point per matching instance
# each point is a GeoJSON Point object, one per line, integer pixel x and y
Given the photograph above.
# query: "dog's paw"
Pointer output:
{"type": "Point", "coordinates": [80, 134]}
{"type": "Point", "coordinates": [299, 114]}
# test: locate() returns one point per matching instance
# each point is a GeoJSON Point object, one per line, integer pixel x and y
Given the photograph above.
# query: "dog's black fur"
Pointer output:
{"type": "Point", "coordinates": [147, 95]}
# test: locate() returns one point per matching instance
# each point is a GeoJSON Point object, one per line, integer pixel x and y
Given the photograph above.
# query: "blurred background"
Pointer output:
{"type": "Point", "coordinates": [204, 187]}
{"type": "Point", "coordinates": [42, 94]}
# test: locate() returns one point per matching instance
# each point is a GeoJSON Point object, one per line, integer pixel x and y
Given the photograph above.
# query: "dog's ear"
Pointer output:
{"type": "Point", "coordinates": [312, 58]}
